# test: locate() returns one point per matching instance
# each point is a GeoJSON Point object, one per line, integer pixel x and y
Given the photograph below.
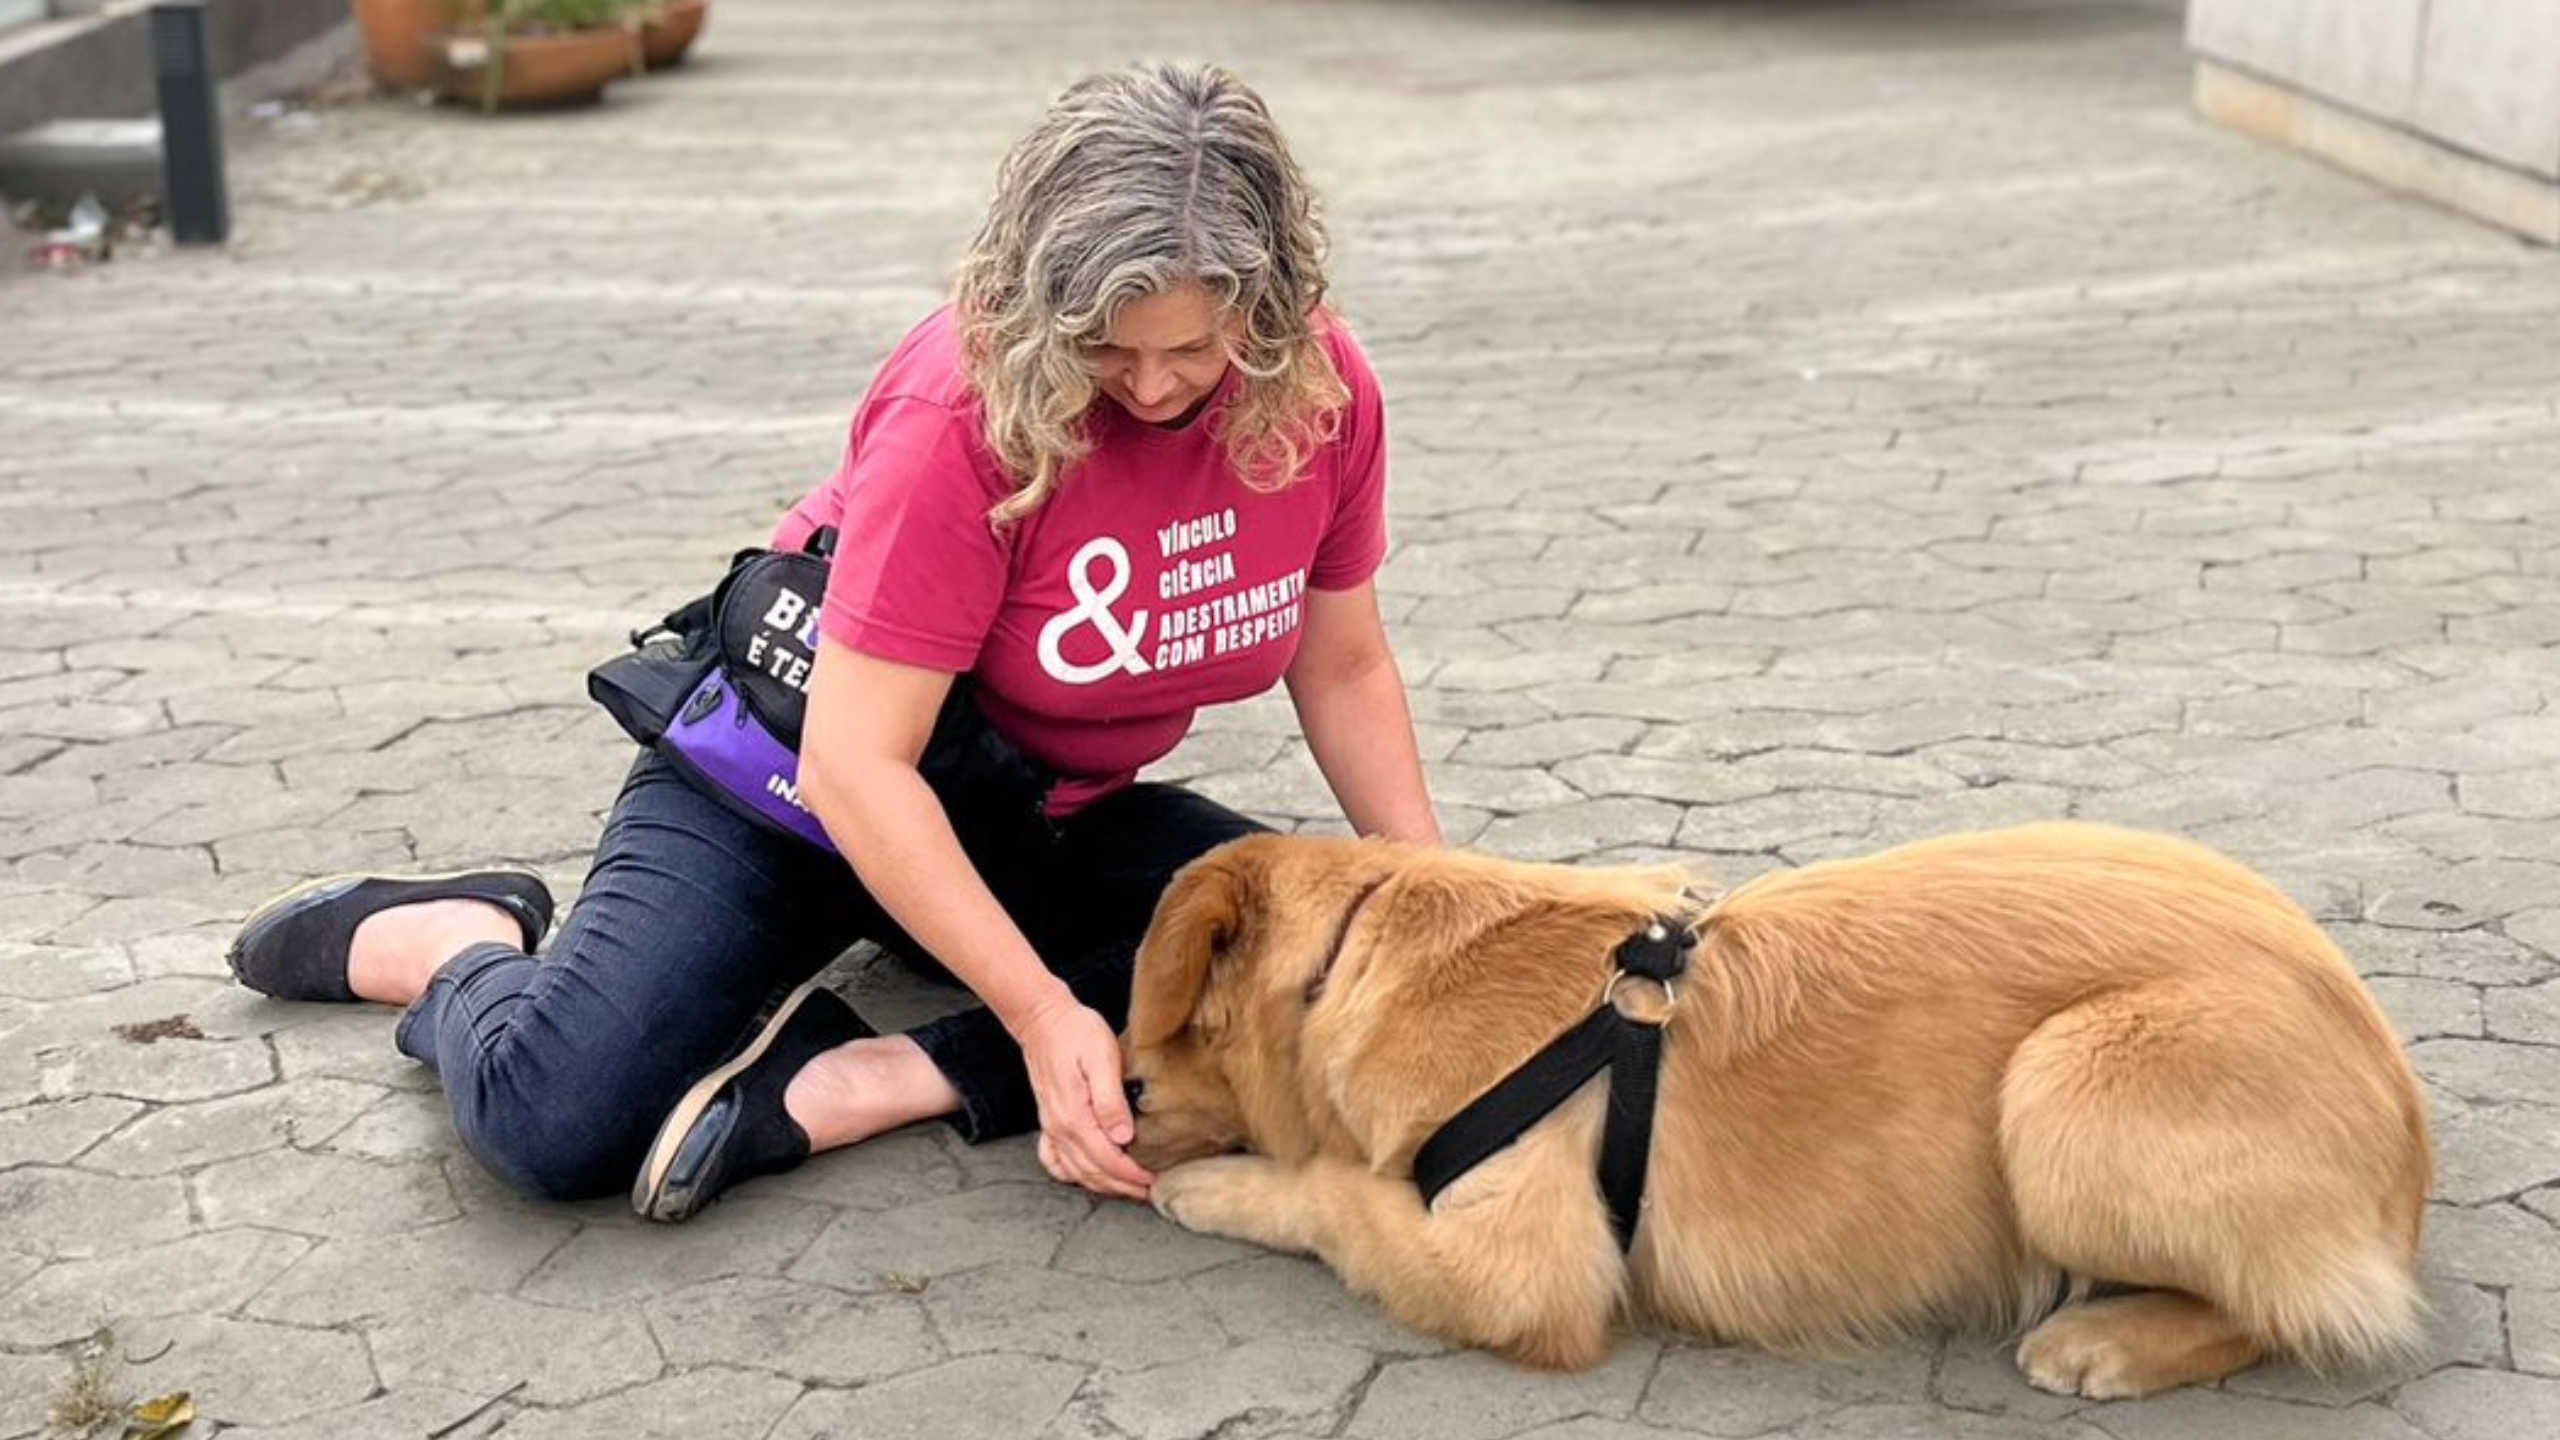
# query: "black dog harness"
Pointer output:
{"type": "Point", "coordinates": [1608, 1038]}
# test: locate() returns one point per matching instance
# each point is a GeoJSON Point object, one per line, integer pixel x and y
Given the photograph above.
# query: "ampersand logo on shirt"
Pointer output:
{"type": "Point", "coordinates": [1093, 611]}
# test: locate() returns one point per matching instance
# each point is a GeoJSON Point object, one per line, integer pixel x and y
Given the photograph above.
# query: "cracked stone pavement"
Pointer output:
{"type": "Point", "coordinates": [1816, 425]}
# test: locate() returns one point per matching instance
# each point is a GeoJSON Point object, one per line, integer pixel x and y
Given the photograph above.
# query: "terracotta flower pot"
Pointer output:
{"type": "Point", "coordinates": [664, 40]}
{"type": "Point", "coordinates": [540, 70]}
{"type": "Point", "coordinates": [396, 35]}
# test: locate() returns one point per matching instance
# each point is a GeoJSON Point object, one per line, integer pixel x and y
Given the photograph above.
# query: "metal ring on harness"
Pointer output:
{"type": "Point", "coordinates": [1620, 976]}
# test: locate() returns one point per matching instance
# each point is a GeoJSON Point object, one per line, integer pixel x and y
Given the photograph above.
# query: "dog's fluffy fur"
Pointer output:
{"type": "Point", "coordinates": [1931, 1085]}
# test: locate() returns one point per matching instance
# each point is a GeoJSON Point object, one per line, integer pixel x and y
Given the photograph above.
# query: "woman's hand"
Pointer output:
{"type": "Point", "coordinates": [1074, 1061]}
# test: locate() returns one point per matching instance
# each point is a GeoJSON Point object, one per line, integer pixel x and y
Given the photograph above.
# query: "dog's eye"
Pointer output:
{"type": "Point", "coordinates": [1136, 1093]}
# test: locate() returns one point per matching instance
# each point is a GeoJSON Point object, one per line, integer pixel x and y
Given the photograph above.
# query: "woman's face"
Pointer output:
{"type": "Point", "coordinates": [1164, 356]}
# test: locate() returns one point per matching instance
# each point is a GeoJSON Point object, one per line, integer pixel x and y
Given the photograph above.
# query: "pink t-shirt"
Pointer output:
{"type": "Point", "coordinates": [1152, 582]}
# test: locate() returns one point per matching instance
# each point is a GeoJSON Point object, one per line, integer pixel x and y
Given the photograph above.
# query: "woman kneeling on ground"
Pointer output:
{"type": "Point", "coordinates": [1134, 468]}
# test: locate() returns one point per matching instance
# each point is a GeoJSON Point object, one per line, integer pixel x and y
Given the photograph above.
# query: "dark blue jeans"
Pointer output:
{"type": "Point", "coordinates": [559, 1069]}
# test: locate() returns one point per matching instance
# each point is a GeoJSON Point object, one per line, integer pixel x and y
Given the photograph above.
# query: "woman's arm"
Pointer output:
{"type": "Point", "coordinates": [1351, 704]}
{"type": "Point", "coordinates": [868, 721]}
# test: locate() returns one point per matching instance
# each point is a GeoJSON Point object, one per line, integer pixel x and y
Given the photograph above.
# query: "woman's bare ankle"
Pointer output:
{"type": "Point", "coordinates": [395, 952]}
{"type": "Point", "coordinates": [864, 1088]}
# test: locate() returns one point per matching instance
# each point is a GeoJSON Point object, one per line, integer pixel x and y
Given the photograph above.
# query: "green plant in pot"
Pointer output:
{"type": "Point", "coordinates": [540, 52]}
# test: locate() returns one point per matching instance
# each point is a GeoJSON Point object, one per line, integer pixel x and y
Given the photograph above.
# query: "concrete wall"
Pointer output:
{"type": "Point", "coordinates": [2479, 76]}
{"type": "Point", "coordinates": [99, 65]}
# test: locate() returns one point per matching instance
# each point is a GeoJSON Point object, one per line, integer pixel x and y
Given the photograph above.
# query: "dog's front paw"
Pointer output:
{"type": "Point", "coordinates": [1238, 1196]}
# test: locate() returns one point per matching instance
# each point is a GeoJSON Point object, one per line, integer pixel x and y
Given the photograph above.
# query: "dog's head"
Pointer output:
{"type": "Point", "coordinates": [1243, 943]}
{"type": "Point", "coordinates": [1297, 995]}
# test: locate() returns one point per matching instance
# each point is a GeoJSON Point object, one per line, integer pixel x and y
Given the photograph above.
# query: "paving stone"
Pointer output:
{"type": "Point", "coordinates": [2537, 928]}
{"type": "Point", "coordinates": [1289, 787]}
{"type": "Point", "coordinates": [2428, 1009]}
{"type": "Point", "coordinates": [369, 1280]}
{"type": "Point", "coordinates": [751, 1233]}
{"type": "Point", "coordinates": [997, 1397]}
{"type": "Point", "coordinates": [28, 1384]}
{"type": "Point", "coordinates": [53, 972]}
{"type": "Point", "coordinates": [2530, 1015]}
{"type": "Point", "coordinates": [2482, 1404]}
{"type": "Point", "coordinates": [63, 1024]}
{"type": "Point", "coordinates": [2492, 1245]}
{"type": "Point", "coordinates": [324, 1195]}
{"type": "Point", "coordinates": [351, 1042]}
{"type": "Point", "coordinates": [989, 1225]}
{"type": "Point", "coordinates": [1026, 1310]}
{"type": "Point", "coordinates": [1516, 672]}
{"type": "Point", "coordinates": [1594, 1429]}
{"type": "Point", "coordinates": [2533, 1330]}
{"type": "Point", "coordinates": [398, 1125]}
{"type": "Point", "coordinates": [1743, 1391]}
{"type": "Point", "coordinates": [1545, 742]}
{"type": "Point", "coordinates": [55, 1132]}
{"type": "Point", "coordinates": [42, 913]}
{"type": "Point", "coordinates": [169, 1071]}
{"type": "Point", "coordinates": [1989, 762]}
{"type": "Point", "coordinates": [2544, 1202]}
{"type": "Point", "coordinates": [1292, 1298]}
{"type": "Point", "coordinates": [485, 1344]}
{"type": "Point", "coordinates": [1680, 782]}
{"type": "Point", "coordinates": [1509, 791]}
{"type": "Point", "coordinates": [2487, 1071]}
{"type": "Point", "coordinates": [1783, 823]}
{"type": "Point", "coordinates": [1472, 1393]}
{"type": "Point", "coordinates": [1252, 1388]}
{"type": "Point", "coordinates": [764, 1323]}
{"type": "Point", "coordinates": [2467, 894]}
{"type": "Point", "coordinates": [72, 1215]}
{"type": "Point", "coordinates": [2181, 1413]}
{"type": "Point", "coordinates": [1129, 1242]}
{"type": "Point", "coordinates": [201, 1274]}
{"type": "Point", "coordinates": [189, 953]}
{"type": "Point", "coordinates": [1216, 754]}
{"type": "Point", "coordinates": [414, 1411]}
{"type": "Point", "coordinates": [245, 1373]}
{"type": "Point", "coordinates": [1916, 1422]}
{"type": "Point", "coordinates": [128, 919]}
{"type": "Point", "coordinates": [2484, 1152]}
{"type": "Point", "coordinates": [16, 1266]}
{"type": "Point", "coordinates": [711, 1404]}
{"type": "Point", "coordinates": [2472, 957]}
{"type": "Point", "coordinates": [1566, 832]}
{"type": "Point", "coordinates": [301, 1114]}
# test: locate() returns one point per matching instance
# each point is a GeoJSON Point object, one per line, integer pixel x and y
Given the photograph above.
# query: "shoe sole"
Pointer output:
{"type": "Point", "coordinates": [278, 904]}
{"type": "Point", "coordinates": [648, 1191]}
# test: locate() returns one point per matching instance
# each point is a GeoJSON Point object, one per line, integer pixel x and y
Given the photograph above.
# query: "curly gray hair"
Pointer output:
{"type": "Point", "coordinates": [1138, 181]}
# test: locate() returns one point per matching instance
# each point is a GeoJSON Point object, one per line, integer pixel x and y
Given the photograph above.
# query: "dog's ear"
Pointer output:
{"type": "Point", "coordinates": [1200, 915]}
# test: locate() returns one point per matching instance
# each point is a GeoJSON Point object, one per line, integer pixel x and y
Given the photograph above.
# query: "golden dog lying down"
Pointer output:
{"type": "Point", "coordinates": [1938, 1084]}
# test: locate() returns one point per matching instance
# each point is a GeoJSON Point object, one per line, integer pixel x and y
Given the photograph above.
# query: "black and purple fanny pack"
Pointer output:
{"type": "Point", "coordinates": [720, 688]}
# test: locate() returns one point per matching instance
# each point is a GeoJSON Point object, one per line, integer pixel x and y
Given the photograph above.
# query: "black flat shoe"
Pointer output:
{"type": "Point", "coordinates": [731, 1125]}
{"type": "Point", "coordinates": [295, 946]}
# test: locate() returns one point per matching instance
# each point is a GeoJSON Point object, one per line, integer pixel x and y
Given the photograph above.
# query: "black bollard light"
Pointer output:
{"type": "Point", "coordinates": [190, 125]}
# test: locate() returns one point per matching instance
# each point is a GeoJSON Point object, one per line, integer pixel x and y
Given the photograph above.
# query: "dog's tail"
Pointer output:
{"type": "Point", "coordinates": [2339, 1312]}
